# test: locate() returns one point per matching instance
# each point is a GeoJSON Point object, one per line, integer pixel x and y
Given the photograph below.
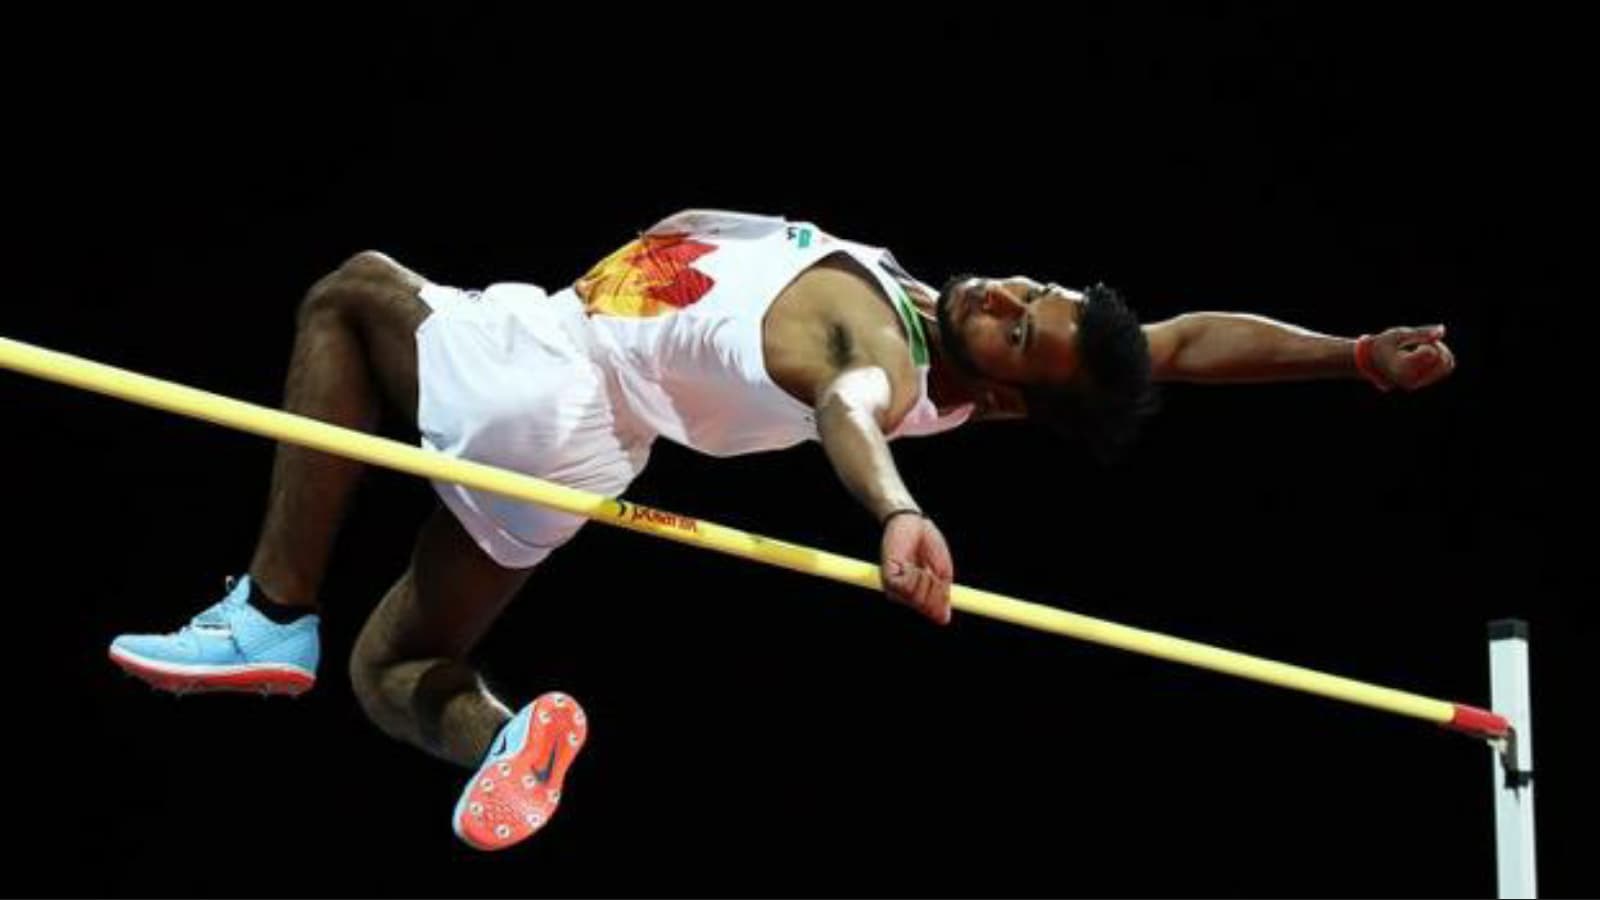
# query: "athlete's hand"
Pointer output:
{"type": "Point", "coordinates": [1412, 358]}
{"type": "Point", "coordinates": [916, 566]}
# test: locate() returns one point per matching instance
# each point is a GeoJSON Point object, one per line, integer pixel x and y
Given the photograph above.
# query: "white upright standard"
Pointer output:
{"type": "Point", "coordinates": [1513, 758]}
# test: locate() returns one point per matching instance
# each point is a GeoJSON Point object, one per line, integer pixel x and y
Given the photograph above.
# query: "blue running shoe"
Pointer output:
{"type": "Point", "coordinates": [229, 647]}
{"type": "Point", "coordinates": [518, 787]}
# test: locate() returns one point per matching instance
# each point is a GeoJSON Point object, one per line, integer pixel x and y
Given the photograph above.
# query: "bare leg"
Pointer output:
{"type": "Point", "coordinates": [409, 667]}
{"type": "Point", "coordinates": [355, 348]}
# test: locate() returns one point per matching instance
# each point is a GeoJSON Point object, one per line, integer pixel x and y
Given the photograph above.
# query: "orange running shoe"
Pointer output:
{"type": "Point", "coordinates": [518, 787]}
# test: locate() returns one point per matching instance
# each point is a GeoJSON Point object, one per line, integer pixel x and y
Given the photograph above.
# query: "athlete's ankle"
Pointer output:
{"type": "Point", "coordinates": [279, 611]}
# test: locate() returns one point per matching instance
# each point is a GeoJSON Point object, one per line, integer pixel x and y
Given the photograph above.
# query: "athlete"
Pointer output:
{"type": "Point", "coordinates": [728, 333]}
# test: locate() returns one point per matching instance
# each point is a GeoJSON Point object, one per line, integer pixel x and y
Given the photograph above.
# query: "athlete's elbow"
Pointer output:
{"type": "Point", "coordinates": [841, 417]}
{"type": "Point", "coordinates": [859, 395]}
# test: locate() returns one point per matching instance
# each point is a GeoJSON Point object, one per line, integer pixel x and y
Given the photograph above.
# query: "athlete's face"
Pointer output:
{"type": "Point", "coordinates": [1015, 331]}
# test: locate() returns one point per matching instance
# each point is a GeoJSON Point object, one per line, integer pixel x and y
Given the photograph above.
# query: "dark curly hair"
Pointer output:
{"type": "Point", "coordinates": [1103, 409]}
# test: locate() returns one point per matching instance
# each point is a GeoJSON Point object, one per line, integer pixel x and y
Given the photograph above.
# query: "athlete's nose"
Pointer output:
{"type": "Point", "coordinates": [997, 301]}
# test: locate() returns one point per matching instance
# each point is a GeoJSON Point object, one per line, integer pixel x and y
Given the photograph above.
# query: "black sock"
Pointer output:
{"type": "Point", "coordinates": [277, 612]}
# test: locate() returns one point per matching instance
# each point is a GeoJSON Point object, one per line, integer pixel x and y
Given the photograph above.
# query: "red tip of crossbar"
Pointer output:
{"type": "Point", "coordinates": [1479, 722]}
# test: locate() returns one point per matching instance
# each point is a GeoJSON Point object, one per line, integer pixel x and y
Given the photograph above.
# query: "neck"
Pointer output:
{"type": "Point", "coordinates": [948, 386]}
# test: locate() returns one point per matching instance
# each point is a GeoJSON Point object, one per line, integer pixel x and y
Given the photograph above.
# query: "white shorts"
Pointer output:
{"type": "Point", "coordinates": [505, 378]}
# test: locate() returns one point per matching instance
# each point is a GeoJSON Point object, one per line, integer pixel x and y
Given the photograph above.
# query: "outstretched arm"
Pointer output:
{"type": "Point", "coordinates": [852, 413]}
{"type": "Point", "coordinates": [1237, 348]}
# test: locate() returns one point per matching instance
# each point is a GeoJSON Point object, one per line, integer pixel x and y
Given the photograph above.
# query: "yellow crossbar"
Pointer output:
{"type": "Point", "coordinates": [289, 428]}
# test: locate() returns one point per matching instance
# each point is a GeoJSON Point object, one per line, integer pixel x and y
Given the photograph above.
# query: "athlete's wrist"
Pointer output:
{"type": "Point", "coordinates": [1367, 367]}
{"type": "Point", "coordinates": [886, 518]}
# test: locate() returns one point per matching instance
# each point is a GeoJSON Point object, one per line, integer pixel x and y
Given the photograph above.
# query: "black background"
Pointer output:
{"type": "Point", "coordinates": [175, 183]}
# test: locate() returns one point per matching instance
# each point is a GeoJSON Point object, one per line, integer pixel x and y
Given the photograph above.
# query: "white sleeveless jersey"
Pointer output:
{"type": "Point", "coordinates": [676, 319]}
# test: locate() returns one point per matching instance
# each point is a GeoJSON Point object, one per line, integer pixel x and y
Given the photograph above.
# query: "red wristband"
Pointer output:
{"type": "Point", "coordinates": [1366, 368]}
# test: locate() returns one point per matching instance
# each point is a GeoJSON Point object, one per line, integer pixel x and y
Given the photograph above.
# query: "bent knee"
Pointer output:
{"type": "Point", "coordinates": [366, 679]}
{"type": "Point", "coordinates": [370, 265]}
{"type": "Point", "coordinates": [356, 280]}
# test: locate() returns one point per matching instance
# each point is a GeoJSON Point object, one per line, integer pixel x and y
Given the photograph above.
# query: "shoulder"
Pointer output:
{"type": "Point", "coordinates": [833, 319]}
{"type": "Point", "coordinates": [861, 320]}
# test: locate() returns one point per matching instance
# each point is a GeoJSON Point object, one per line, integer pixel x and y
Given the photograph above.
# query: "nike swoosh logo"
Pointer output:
{"type": "Point", "coordinates": [543, 775]}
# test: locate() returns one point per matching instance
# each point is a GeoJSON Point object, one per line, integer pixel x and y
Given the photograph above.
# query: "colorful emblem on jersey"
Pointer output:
{"type": "Point", "coordinates": [653, 276]}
